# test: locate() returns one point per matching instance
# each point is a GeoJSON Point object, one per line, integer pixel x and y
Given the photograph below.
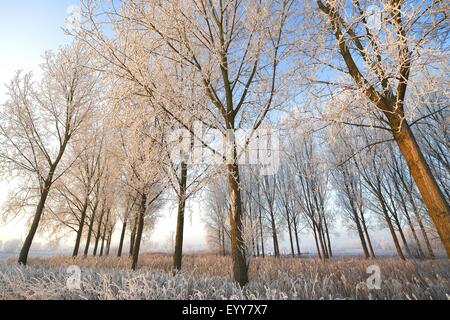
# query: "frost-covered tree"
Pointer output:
{"type": "Point", "coordinates": [235, 47]}
{"type": "Point", "coordinates": [39, 120]}
{"type": "Point", "coordinates": [379, 51]}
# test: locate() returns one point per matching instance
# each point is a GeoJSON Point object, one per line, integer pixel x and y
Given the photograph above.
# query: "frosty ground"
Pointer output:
{"type": "Point", "coordinates": [208, 277]}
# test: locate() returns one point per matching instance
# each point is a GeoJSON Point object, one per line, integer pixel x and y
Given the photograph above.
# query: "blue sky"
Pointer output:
{"type": "Point", "coordinates": [27, 29]}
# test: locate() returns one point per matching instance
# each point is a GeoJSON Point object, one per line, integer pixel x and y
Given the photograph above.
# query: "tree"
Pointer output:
{"type": "Point", "coordinates": [311, 180]}
{"type": "Point", "coordinates": [236, 49]}
{"type": "Point", "coordinates": [39, 120]}
{"type": "Point", "coordinates": [349, 185]}
{"type": "Point", "coordinates": [141, 158]}
{"type": "Point", "coordinates": [381, 58]}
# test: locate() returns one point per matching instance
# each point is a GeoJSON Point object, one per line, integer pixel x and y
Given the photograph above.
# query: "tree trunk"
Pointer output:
{"type": "Point", "coordinates": [276, 248]}
{"type": "Point", "coordinates": [258, 253]}
{"type": "Point", "coordinates": [89, 236]}
{"type": "Point", "coordinates": [433, 197]}
{"type": "Point", "coordinates": [290, 233]}
{"type": "Point", "coordinates": [323, 244]}
{"type": "Point", "coordinates": [80, 227]}
{"type": "Point", "coordinates": [366, 231]}
{"type": "Point", "coordinates": [23, 256]}
{"type": "Point", "coordinates": [391, 227]}
{"type": "Point", "coordinates": [108, 243]}
{"type": "Point", "coordinates": [261, 226]}
{"type": "Point", "coordinates": [223, 243]}
{"type": "Point", "coordinates": [402, 235]}
{"type": "Point", "coordinates": [358, 225]}
{"type": "Point", "coordinates": [240, 268]}
{"type": "Point", "coordinates": [361, 236]}
{"type": "Point", "coordinates": [133, 234]}
{"type": "Point", "coordinates": [421, 226]}
{"type": "Point", "coordinates": [296, 237]}
{"type": "Point", "coordinates": [327, 233]}
{"type": "Point", "coordinates": [122, 237]}
{"type": "Point", "coordinates": [407, 216]}
{"type": "Point", "coordinates": [416, 239]}
{"type": "Point", "coordinates": [102, 245]}
{"type": "Point", "coordinates": [317, 241]}
{"type": "Point", "coordinates": [104, 233]}
{"type": "Point", "coordinates": [140, 229]}
{"type": "Point", "coordinates": [178, 254]}
{"type": "Point", "coordinates": [98, 234]}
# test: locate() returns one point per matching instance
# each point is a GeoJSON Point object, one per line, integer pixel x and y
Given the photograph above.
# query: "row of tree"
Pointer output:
{"type": "Point", "coordinates": [90, 143]}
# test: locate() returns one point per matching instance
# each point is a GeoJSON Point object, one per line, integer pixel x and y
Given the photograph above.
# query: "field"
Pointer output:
{"type": "Point", "coordinates": [208, 277]}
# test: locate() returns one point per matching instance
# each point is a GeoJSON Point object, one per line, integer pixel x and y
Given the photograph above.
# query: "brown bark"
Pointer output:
{"type": "Point", "coordinates": [390, 226]}
{"type": "Point", "coordinates": [122, 237]}
{"type": "Point", "coordinates": [140, 229]}
{"type": "Point", "coordinates": [80, 227]}
{"type": "Point", "coordinates": [178, 254]}
{"type": "Point", "coordinates": [276, 248]}
{"type": "Point", "coordinates": [291, 240]}
{"type": "Point", "coordinates": [317, 241]}
{"type": "Point", "coordinates": [422, 228]}
{"type": "Point", "coordinates": [366, 232]}
{"type": "Point", "coordinates": [240, 268]}
{"type": "Point", "coordinates": [133, 234]}
{"type": "Point", "coordinates": [327, 233]}
{"type": "Point", "coordinates": [297, 242]}
{"type": "Point", "coordinates": [23, 256]}
{"type": "Point", "coordinates": [104, 233]}
{"type": "Point", "coordinates": [98, 233]}
{"type": "Point", "coordinates": [402, 234]}
{"type": "Point", "coordinates": [433, 197]}
{"type": "Point", "coordinates": [261, 232]}
{"type": "Point", "coordinates": [89, 235]}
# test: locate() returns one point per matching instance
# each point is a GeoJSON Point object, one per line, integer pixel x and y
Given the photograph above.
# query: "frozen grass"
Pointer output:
{"type": "Point", "coordinates": [208, 277]}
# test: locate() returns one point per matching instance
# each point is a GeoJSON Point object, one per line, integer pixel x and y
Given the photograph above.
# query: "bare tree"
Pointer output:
{"type": "Point", "coordinates": [381, 59]}
{"type": "Point", "coordinates": [39, 120]}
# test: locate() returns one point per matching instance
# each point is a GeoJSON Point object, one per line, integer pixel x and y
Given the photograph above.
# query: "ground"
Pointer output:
{"type": "Point", "coordinates": [208, 277]}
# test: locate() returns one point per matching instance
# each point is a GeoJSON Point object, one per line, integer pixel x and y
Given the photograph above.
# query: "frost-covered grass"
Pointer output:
{"type": "Point", "coordinates": [208, 277]}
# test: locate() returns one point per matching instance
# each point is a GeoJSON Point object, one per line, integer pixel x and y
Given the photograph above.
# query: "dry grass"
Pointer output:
{"type": "Point", "coordinates": [208, 277]}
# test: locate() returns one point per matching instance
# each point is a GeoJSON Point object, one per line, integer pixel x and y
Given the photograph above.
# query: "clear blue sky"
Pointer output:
{"type": "Point", "coordinates": [27, 29]}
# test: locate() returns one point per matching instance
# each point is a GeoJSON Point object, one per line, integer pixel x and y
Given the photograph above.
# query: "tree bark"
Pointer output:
{"type": "Point", "coordinates": [290, 232]}
{"type": "Point", "coordinates": [91, 227]}
{"type": "Point", "coordinates": [327, 233]}
{"type": "Point", "coordinates": [402, 235]}
{"type": "Point", "coordinates": [276, 248]}
{"type": "Point", "coordinates": [261, 225]}
{"type": "Point", "coordinates": [133, 234]}
{"type": "Point", "coordinates": [104, 233]}
{"type": "Point", "coordinates": [178, 254]}
{"type": "Point", "coordinates": [422, 228]}
{"type": "Point", "coordinates": [296, 237]}
{"type": "Point", "coordinates": [317, 241]}
{"type": "Point", "coordinates": [80, 227]}
{"type": "Point", "coordinates": [361, 237]}
{"type": "Point", "coordinates": [223, 243]}
{"type": "Point", "coordinates": [366, 232]}
{"type": "Point", "coordinates": [98, 233]}
{"type": "Point", "coordinates": [23, 256]}
{"type": "Point", "coordinates": [108, 242]}
{"type": "Point", "coordinates": [122, 237]}
{"type": "Point", "coordinates": [140, 229]}
{"type": "Point", "coordinates": [390, 226]}
{"type": "Point", "coordinates": [240, 268]}
{"type": "Point", "coordinates": [433, 197]}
